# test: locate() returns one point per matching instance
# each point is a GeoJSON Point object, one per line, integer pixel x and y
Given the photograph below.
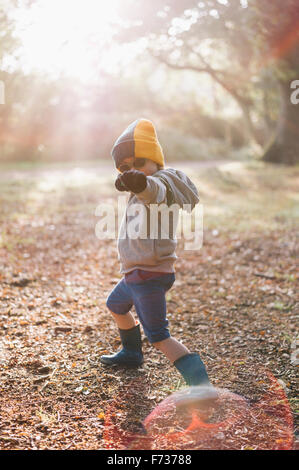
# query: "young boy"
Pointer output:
{"type": "Point", "coordinates": [146, 262]}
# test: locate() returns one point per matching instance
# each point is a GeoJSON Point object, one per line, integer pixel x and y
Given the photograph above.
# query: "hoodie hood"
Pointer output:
{"type": "Point", "coordinates": [182, 189]}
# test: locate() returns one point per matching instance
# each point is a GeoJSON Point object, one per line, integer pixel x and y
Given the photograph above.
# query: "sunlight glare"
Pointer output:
{"type": "Point", "coordinates": [66, 35]}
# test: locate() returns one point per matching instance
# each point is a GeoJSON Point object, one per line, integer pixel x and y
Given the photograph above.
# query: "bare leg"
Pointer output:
{"type": "Point", "coordinates": [172, 348]}
{"type": "Point", "coordinates": [124, 322]}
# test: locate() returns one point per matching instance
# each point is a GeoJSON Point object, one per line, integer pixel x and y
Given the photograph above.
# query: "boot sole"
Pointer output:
{"type": "Point", "coordinates": [119, 364]}
{"type": "Point", "coordinates": [203, 397]}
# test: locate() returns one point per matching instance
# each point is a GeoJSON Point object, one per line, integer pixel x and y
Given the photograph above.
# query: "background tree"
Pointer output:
{"type": "Point", "coordinates": [250, 48]}
{"type": "Point", "coordinates": [239, 57]}
{"type": "Point", "coordinates": [278, 44]}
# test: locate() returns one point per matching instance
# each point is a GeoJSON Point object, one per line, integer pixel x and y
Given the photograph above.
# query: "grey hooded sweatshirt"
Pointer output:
{"type": "Point", "coordinates": [147, 239]}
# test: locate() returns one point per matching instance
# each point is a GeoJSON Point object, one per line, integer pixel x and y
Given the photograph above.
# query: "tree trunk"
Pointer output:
{"type": "Point", "coordinates": [250, 134]}
{"type": "Point", "coordinates": [284, 146]}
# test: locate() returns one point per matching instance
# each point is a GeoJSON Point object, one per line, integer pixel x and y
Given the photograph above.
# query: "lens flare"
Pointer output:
{"type": "Point", "coordinates": [232, 422]}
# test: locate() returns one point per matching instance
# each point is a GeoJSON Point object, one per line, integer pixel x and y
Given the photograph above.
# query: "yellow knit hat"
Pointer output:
{"type": "Point", "coordinates": [139, 140]}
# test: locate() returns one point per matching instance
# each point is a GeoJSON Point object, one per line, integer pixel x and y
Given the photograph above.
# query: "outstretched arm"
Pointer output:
{"type": "Point", "coordinates": [148, 189]}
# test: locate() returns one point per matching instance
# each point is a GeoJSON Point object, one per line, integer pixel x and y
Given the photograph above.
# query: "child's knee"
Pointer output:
{"type": "Point", "coordinates": [109, 304]}
{"type": "Point", "coordinates": [157, 338]}
{"type": "Point", "coordinates": [116, 311]}
{"type": "Point", "coordinates": [117, 308]}
{"type": "Point", "coordinates": [111, 311]}
{"type": "Point", "coordinates": [112, 306]}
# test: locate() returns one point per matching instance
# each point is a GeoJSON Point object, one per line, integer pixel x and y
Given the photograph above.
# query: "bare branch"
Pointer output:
{"type": "Point", "coordinates": [205, 69]}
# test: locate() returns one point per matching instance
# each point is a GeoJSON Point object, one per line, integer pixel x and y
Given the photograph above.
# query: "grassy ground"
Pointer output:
{"type": "Point", "coordinates": [234, 301]}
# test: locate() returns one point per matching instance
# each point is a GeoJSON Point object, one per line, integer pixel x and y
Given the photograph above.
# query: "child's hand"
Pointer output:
{"type": "Point", "coordinates": [134, 181]}
{"type": "Point", "coordinates": [119, 185]}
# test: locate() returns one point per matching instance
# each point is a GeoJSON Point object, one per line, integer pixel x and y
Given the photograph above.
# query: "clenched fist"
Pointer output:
{"type": "Point", "coordinates": [132, 180]}
{"type": "Point", "coordinates": [119, 185]}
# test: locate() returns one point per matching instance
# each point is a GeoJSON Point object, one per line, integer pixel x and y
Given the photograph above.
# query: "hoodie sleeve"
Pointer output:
{"type": "Point", "coordinates": [155, 191]}
{"type": "Point", "coordinates": [184, 192]}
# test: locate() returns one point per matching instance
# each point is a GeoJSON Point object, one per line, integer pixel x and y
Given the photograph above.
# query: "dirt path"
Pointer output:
{"type": "Point", "coordinates": [234, 301]}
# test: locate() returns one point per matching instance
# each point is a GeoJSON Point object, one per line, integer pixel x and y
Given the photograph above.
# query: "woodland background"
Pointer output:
{"type": "Point", "coordinates": [215, 77]}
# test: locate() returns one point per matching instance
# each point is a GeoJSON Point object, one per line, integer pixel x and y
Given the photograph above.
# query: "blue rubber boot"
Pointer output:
{"type": "Point", "coordinates": [192, 369]}
{"type": "Point", "coordinates": [131, 353]}
{"type": "Point", "coordinates": [195, 375]}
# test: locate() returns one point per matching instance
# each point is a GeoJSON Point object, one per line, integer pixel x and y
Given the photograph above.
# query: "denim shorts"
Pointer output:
{"type": "Point", "coordinates": [147, 293]}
